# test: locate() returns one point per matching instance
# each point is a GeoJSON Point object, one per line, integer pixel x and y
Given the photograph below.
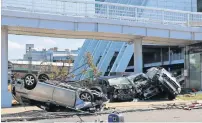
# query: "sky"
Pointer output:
{"type": "Point", "coordinates": [16, 44]}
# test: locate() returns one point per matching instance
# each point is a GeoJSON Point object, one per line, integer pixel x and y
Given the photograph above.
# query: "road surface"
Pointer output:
{"type": "Point", "coordinates": [174, 115]}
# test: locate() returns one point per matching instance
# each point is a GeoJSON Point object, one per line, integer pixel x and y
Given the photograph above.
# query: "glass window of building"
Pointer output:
{"type": "Point", "coordinates": [195, 74]}
{"type": "Point", "coordinates": [194, 66]}
{"type": "Point", "coordinates": [199, 5]}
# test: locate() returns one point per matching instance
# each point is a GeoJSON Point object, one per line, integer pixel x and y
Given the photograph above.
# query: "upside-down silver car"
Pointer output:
{"type": "Point", "coordinates": [53, 95]}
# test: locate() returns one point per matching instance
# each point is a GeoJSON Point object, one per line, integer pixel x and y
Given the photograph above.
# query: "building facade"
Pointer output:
{"type": "Point", "coordinates": [185, 5]}
{"type": "Point", "coordinates": [114, 57]}
{"type": "Point", "coordinates": [50, 55]}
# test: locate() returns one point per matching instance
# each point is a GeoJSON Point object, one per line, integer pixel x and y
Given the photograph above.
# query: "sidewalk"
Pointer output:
{"type": "Point", "coordinates": [18, 109]}
{"type": "Point", "coordinates": [118, 105]}
{"type": "Point", "coordinates": [144, 103]}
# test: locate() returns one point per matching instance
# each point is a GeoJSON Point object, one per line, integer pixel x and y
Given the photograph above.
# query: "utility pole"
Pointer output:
{"type": "Point", "coordinates": [30, 60]}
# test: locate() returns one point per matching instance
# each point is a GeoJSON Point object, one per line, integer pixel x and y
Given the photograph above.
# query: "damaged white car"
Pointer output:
{"type": "Point", "coordinates": [157, 81]}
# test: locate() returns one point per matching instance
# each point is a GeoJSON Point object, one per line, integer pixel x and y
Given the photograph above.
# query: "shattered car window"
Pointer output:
{"type": "Point", "coordinates": [120, 80]}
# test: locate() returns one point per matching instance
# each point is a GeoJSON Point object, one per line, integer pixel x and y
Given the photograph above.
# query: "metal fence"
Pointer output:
{"type": "Point", "coordinates": [114, 11]}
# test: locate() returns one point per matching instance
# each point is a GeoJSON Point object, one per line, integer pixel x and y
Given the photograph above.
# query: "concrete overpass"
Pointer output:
{"type": "Point", "coordinates": [152, 25]}
{"type": "Point", "coordinates": [96, 20]}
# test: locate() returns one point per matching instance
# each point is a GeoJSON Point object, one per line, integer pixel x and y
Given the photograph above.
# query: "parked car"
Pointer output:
{"type": "Point", "coordinates": [53, 94]}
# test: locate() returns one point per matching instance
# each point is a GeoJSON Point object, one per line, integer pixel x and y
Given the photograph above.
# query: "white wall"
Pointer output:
{"type": "Point", "coordinates": [186, 5]}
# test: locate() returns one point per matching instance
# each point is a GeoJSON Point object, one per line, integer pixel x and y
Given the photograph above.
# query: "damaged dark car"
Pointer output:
{"type": "Point", "coordinates": [116, 88]}
{"type": "Point", "coordinates": [119, 89]}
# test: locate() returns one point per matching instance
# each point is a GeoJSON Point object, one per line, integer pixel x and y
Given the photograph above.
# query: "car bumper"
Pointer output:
{"type": "Point", "coordinates": [123, 96]}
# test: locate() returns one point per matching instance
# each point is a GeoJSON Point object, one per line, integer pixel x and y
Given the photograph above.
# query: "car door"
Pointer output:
{"type": "Point", "coordinates": [42, 92]}
{"type": "Point", "coordinates": [64, 96]}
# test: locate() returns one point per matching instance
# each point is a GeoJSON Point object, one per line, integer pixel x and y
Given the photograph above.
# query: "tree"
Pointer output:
{"type": "Point", "coordinates": [63, 73]}
{"type": "Point", "coordinates": [92, 70]}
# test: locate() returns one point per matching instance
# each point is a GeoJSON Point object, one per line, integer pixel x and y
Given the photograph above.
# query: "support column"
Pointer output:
{"type": "Point", "coordinates": [169, 57]}
{"type": "Point", "coordinates": [138, 63]}
{"type": "Point", "coordinates": [6, 97]}
{"type": "Point", "coordinates": [186, 67]}
{"type": "Point", "coordinates": [161, 56]}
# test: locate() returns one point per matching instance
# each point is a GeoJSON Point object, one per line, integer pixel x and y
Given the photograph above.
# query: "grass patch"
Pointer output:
{"type": "Point", "coordinates": [190, 97]}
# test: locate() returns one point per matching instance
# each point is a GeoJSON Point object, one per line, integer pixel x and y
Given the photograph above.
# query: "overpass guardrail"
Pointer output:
{"type": "Point", "coordinates": [105, 10]}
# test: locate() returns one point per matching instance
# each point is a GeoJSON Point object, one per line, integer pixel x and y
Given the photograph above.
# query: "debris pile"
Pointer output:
{"type": "Point", "coordinates": [193, 106]}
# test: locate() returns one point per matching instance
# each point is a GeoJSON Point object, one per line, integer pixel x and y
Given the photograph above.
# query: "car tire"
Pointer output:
{"type": "Point", "coordinates": [86, 96]}
{"type": "Point", "coordinates": [43, 77]}
{"type": "Point", "coordinates": [30, 81]}
{"type": "Point", "coordinates": [171, 96]}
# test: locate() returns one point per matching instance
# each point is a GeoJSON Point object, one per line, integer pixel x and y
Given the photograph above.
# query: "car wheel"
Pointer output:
{"type": "Point", "coordinates": [43, 77]}
{"type": "Point", "coordinates": [30, 81]}
{"type": "Point", "coordinates": [86, 97]}
{"type": "Point", "coordinates": [171, 97]}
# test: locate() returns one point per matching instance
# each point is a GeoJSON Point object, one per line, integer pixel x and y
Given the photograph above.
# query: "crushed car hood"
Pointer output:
{"type": "Point", "coordinates": [123, 86]}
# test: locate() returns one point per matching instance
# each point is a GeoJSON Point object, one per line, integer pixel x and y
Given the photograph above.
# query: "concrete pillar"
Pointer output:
{"type": "Point", "coordinates": [186, 67]}
{"type": "Point", "coordinates": [161, 56]}
{"type": "Point", "coordinates": [138, 63]}
{"type": "Point", "coordinates": [169, 57]}
{"type": "Point", "coordinates": [6, 97]}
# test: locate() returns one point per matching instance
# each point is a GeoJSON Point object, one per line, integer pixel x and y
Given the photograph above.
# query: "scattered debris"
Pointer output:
{"type": "Point", "coordinates": [194, 105]}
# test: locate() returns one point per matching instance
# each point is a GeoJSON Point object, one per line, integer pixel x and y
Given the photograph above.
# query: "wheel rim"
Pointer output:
{"type": "Point", "coordinates": [86, 97]}
{"type": "Point", "coordinates": [29, 80]}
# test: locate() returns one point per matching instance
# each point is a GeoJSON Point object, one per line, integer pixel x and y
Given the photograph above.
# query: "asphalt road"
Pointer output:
{"type": "Point", "coordinates": [174, 115]}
